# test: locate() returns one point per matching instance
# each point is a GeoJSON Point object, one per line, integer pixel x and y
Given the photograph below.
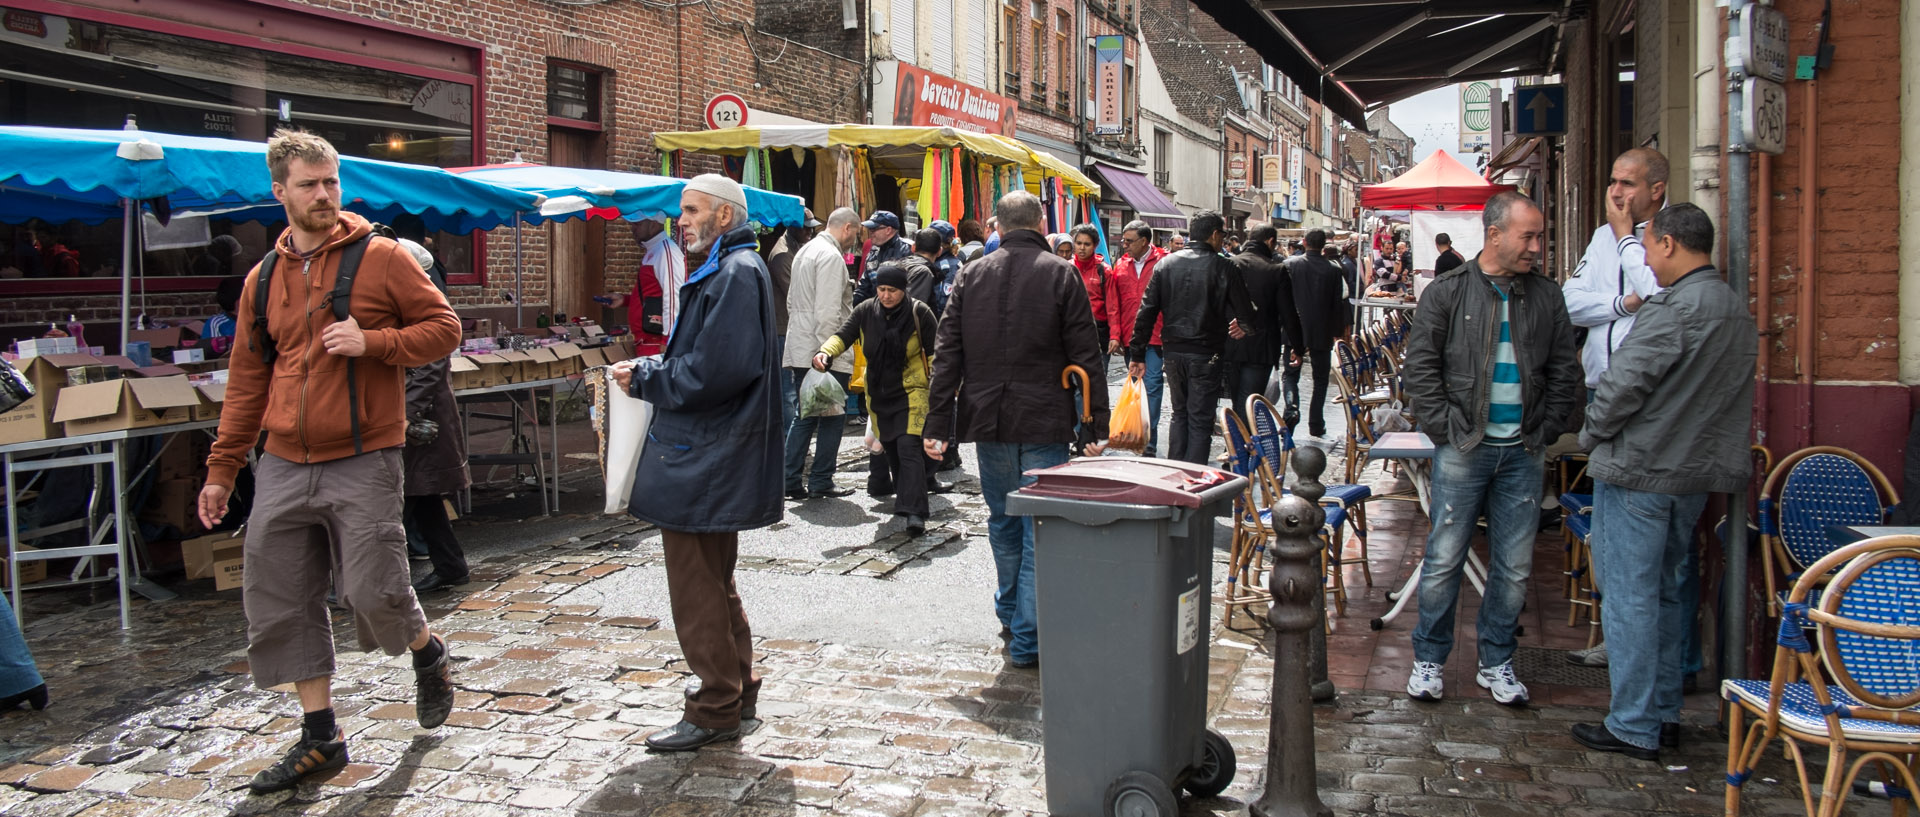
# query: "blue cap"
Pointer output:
{"type": "Point", "coordinates": [881, 218]}
{"type": "Point", "coordinates": [946, 230]}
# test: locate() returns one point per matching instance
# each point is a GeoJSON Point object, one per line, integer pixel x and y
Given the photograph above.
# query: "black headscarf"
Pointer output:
{"type": "Point", "coordinates": [887, 348]}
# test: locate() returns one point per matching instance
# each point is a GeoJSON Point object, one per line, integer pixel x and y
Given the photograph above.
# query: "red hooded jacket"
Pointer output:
{"type": "Point", "coordinates": [1126, 285]}
{"type": "Point", "coordinates": [1093, 273]}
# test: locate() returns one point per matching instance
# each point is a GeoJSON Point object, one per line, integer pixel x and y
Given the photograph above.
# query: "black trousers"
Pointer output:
{"type": "Point", "coordinates": [1193, 383]}
{"type": "Point", "coordinates": [427, 516]}
{"type": "Point", "coordinates": [1317, 411]}
{"type": "Point", "coordinates": [1248, 379]}
{"type": "Point", "coordinates": [906, 457]}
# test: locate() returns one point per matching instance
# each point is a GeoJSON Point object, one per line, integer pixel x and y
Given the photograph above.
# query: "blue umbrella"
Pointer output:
{"type": "Point", "coordinates": [575, 192]}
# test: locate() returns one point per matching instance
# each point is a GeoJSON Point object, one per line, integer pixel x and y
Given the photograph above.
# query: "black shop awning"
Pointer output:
{"type": "Point", "coordinates": [1351, 55]}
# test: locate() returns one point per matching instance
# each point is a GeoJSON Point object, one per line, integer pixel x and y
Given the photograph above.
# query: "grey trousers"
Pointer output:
{"type": "Point", "coordinates": [314, 526]}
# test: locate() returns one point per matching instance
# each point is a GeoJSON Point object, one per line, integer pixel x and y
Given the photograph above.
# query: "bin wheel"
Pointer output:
{"type": "Point", "coordinates": [1140, 794]}
{"type": "Point", "coordinates": [1216, 768]}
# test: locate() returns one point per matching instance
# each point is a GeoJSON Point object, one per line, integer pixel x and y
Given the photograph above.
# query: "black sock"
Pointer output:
{"type": "Point", "coordinates": [320, 725]}
{"type": "Point", "coordinates": [425, 656]}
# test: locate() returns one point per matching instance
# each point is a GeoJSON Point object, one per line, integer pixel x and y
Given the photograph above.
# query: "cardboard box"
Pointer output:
{"type": "Point", "coordinates": [198, 555]}
{"type": "Point", "coordinates": [174, 503]}
{"type": "Point", "coordinates": [482, 327]}
{"type": "Point", "coordinates": [33, 420]}
{"type": "Point", "coordinates": [35, 347]}
{"type": "Point", "coordinates": [542, 364]}
{"type": "Point", "coordinates": [229, 574]}
{"type": "Point", "coordinates": [565, 330]}
{"type": "Point", "coordinates": [592, 330]}
{"type": "Point", "coordinates": [591, 357]}
{"type": "Point", "coordinates": [92, 373]}
{"type": "Point", "coordinates": [462, 373]}
{"type": "Point", "coordinates": [212, 396]}
{"type": "Point", "coordinates": [31, 570]}
{"type": "Point", "coordinates": [513, 366]}
{"type": "Point", "coordinates": [193, 355]}
{"type": "Point", "coordinates": [493, 370]}
{"type": "Point", "coordinates": [124, 404]}
{"type": "Point", "coordinates": [158, 340]}
{"type": "Point", "coordinates": [183, 456]}
{"type": "Point", "coordinates": [569, 359]}
{"type": "Point", "coordinates": [158, 370]}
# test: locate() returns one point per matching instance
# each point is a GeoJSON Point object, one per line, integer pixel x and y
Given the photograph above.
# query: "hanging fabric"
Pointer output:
{"type": "Point", "coordinates": [956, 187]}
{"type": "Point", "coordinates": [929, 186]}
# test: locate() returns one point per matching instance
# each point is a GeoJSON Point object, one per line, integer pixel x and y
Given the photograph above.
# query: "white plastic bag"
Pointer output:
{"type": "Point", "coordinates": [627, 420]}
{"type": "Point", "coordinates": [1389, 418]}
{"type": "Point", "coordinates": [822, 396]}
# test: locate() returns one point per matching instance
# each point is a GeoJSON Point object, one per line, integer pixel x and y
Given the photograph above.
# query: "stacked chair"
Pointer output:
{"type": "Point", "coordinates": [1253, 527]}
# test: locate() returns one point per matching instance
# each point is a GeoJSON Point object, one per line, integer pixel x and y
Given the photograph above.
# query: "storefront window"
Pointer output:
{"type": "Point", "coordinates": [75, 73]}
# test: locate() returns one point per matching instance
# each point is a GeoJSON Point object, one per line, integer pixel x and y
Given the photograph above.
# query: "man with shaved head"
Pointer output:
{"type": "Point", "coordinates": [711, 467]}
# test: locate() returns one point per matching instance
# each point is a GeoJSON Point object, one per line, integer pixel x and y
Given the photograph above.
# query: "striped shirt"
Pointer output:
{"type": "Point", "coordinates": [1503, 410]}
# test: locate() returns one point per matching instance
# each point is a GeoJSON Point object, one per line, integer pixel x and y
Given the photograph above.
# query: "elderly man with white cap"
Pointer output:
{"type": "Point", "coordinates": [711, 466]}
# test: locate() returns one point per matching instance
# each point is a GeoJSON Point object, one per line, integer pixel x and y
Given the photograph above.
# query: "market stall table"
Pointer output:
{"type": "Point", "coordinates": [125, 533]}
{"type": "Point", "coordinates": [1414, 452]}
{"type": "Point", "coordinates": [521, 397]}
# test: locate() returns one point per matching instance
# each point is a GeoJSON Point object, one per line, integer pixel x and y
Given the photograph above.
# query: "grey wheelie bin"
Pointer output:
{"type": "Point", "coordinates": [1123, 564]}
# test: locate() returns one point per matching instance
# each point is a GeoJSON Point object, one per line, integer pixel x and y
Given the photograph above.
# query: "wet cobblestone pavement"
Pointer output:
{"type": "Point", "coordinates": [555, 697]}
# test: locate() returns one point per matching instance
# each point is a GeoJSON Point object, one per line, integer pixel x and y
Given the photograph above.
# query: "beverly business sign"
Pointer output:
{"type": "Point", "coordinates": [926, 99]}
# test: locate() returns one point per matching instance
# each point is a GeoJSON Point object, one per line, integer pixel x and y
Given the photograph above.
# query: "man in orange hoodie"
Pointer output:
{"type": "Point", "coordinates": [328, 487]}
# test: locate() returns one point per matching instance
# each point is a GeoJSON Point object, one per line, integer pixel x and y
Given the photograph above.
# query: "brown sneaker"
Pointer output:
{"type": "Point", "coordinates": [433, 689]}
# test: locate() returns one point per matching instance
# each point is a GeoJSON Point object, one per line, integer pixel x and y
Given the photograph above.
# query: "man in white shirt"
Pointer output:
{"type": "Point", "coordinates": [1613, 280]}
{"type": "Point", "coordinates": [819, 300]}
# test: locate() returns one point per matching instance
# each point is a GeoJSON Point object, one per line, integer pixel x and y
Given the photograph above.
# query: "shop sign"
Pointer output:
{"type": "Point", "coordinates": [1109, 51]}
{"type": "Point", "coordinates": [26, 22]}
{"type": "Point", "coordinates": [1237, 173]}
{"type": "Point", "coordinates": [1296, 192]}
{"type": "Point", "coordinates": [1271, 173]}
{"type": "Point", "coordinates": [927, 99]}
{"type": "Point", "coordinates": [726, 111]}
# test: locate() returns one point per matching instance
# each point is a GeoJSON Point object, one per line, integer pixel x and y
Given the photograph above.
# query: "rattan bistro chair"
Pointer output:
{"type": "Point", "coordinates": [1274, 441]}
{"type": "Point", "coordinates": [1867, 622]}
{"type": "Point", "coordinates": [1808, 492]}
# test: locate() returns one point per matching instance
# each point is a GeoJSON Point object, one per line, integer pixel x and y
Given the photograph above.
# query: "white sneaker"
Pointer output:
{"type": "Point", "coordinates": [1424, 683]}
{"type": "Point", "coordinates": [1500, 681]}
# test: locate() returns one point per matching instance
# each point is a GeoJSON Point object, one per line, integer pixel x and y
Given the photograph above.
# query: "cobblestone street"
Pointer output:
{"type": "Point", "coordinates": [560, 678]}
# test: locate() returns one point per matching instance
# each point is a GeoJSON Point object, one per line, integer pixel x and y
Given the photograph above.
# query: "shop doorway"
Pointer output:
{"type": "Point", "coordinates": [577, 255]}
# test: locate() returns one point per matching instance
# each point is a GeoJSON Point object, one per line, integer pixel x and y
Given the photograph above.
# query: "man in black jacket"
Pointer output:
{"type": "Point", "coordinates": [1320, 301]}
{"type": "Point", "coordinates": [1252, 358]}
{"type": "Point", "coordinates": [1205, 302]}
{"type": "Point", "coordinates": [1015, 319]}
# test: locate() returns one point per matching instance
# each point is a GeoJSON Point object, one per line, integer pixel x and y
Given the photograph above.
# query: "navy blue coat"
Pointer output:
{"type": "Point", "coordinates": [712, 460]}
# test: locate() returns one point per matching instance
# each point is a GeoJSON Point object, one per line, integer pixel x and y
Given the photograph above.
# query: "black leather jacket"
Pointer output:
{"type": "Point", "coordinates": [1196, 291]}
{"type": "Point", "coordinates": [1448, 373]}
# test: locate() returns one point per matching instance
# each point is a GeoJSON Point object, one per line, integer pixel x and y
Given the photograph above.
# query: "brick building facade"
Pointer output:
{"type": "Point", "coordinates": [653, 68]}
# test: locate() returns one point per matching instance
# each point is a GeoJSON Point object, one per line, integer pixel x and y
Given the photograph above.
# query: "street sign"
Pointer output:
{"type": "Point", "coordinates": [1763, 119]}
{"type": "Point", "coordinates": [1539, 110]}
{"type": "Point", "coordinates": [726, 111]}
{"type": "Point", "coordinates": [1763, 39]}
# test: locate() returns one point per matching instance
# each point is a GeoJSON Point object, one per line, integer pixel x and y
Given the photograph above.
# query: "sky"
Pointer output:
{"type": "Point", "coordinates": [1433, 120]}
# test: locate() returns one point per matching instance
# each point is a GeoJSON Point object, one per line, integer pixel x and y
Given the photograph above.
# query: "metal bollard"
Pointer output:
{"type": "Point", "coordinates": [1294, 582]}
{"type": "Point", "coordinates": [1308, 464]}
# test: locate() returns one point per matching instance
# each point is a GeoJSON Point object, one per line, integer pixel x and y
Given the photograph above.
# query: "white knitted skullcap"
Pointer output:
{"type": "Point", "coordinates": [720, 187]}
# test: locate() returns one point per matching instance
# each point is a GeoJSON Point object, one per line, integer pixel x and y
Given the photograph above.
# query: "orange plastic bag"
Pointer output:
{"type": "Point", "coordinates": [1129, 426]}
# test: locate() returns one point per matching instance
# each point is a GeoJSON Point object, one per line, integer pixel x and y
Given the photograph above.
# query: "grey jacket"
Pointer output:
{"type": "Point", "coordinates": [1448, 373]}
{"type": "Point", "coordinates": [1672, 411]}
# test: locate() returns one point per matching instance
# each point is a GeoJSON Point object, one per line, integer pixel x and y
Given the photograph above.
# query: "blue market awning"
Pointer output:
{"type": "Point", "coordinates": [574, 192]}
{"type": "Point", "coordinates": [62, 174]}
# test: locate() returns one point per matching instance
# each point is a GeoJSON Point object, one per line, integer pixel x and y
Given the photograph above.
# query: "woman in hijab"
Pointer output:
{"type": "Point", "coordinates": [896, 333]}
{"type": "Point", "coordinates": [1062, 244]}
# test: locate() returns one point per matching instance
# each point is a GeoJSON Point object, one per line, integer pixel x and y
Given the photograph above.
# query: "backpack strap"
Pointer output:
{"type": "Point", "coordinates": [262, 341]}
{"type": "Point", "coordinates": [343, 299]}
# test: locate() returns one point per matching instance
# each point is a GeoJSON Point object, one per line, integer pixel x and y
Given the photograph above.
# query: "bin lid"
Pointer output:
{"type": "Point", "coordinates": [1128, 481]}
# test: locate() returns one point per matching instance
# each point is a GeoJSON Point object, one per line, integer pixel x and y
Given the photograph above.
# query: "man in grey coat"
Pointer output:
{"type": "Point", "coordinates": [1667, 425]}
{"type": "Point", "coordinates": [711, 465]}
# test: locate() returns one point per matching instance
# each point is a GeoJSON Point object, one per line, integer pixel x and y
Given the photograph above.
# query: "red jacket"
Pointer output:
{"type": "Point", "coordinates": [1093, 273]}
{"type": "Point", "coordinates": [1126, 285]}
{"type": "Point", "coordinates": [642, 304]}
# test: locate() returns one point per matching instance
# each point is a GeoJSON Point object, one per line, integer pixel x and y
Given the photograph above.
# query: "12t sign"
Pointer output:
{"type": "Point", "coordinates": [1763, 121]}
{"type": "Point", "coordinates": [726, 111]}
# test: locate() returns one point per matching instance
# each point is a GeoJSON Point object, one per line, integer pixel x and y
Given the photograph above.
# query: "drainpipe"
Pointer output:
{"type": "Point", "coordinates": [1803, 312]}
{"type": "Point", "coordinates": [1734, 649]}
{"type": "Point", "coordinates": [1763, 295]}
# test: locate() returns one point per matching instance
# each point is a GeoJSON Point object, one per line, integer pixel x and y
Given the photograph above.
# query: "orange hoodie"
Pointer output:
{"type": "Point", "coordinates": [302, 402]}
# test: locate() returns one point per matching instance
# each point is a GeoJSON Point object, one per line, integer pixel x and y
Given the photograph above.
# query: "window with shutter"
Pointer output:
{"type": "Point", "coordinates": [900, 31]}
{"type": "Point", "coordinates": [940, 38]}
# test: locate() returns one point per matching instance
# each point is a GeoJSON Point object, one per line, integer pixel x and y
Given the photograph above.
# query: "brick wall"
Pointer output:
{"type": "Point", "coordinates": [1856, 217]}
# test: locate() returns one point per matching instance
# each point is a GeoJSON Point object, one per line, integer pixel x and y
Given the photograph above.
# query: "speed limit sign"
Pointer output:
{"type": "Point", "coordinates": [726, 111]}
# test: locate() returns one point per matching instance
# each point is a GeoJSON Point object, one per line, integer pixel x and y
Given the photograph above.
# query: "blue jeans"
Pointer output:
{"type": "Point", "coordinates": [1506, 481]}
{"type": "Point", "coordinates": [826, 451]}
{"type": "Point", "coordinates": [1156, 383]}
{"type": "Point", "coordinates": [17, 671]}
{"type": "Point", "coordinates": [1002, 471]}
{"type": "Point", "coordinates": [1640, 545]}
{"type": "Point", "coordinates": [789, 389]}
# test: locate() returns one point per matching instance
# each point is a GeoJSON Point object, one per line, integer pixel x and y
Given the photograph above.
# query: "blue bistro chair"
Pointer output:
{"type": "Point", "coordinates": [1253, 521]}
{"type": "Point", "coordinates": [1811, 491]}
{"type": "Point", "coordinates": [1865, 707]}
{"type": "Point", "coordinates": [1273, 440]}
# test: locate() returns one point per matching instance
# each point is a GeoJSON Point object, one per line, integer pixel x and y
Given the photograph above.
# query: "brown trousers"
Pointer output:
{"type": "Point", "coordinates": [713, 630]}
{"type": "Point", "coordinates": [315, 526]}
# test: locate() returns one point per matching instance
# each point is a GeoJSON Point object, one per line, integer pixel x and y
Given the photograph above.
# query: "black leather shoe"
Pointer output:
{"type": "Point", "coordinates": [798, 494]}
{"type": "Point", "coordinates": [1030, 664]}
{"type": "Point", "coordinates": [686, 737]}
{"type": "Point", "coordinates": [830, 493]}
{"type": "Point", "coordinates": [1598, 737]}
{"type": "Point", "coordinates": [916, 525]}
{"type": "Point", "coordinates": [433, 582]}
{"type": "Point", "coordinates": [940, 488]}
{"type": "Point", "coordinates": [307, 758]}
{"type": "Point", "coordinates": [1670, 736]}
{"type": "Point", "coordinates": [35, 697]}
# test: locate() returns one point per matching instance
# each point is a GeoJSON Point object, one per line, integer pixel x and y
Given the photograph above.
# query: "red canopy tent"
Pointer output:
{"type": "Point", "coordinates": [1438, 183]}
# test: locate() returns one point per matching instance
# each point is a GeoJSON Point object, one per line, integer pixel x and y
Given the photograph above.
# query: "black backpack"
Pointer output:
{"type": "Point", "coordinates": [340, 299]}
